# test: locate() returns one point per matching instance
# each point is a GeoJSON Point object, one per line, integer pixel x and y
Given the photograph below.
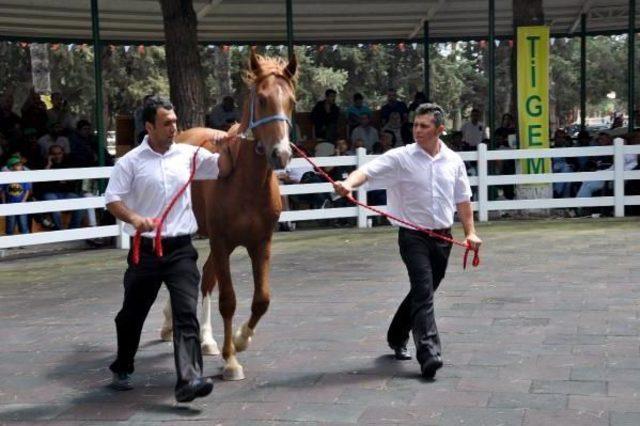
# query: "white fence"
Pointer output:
{"type": "Point", "coordinates": [483, 181]}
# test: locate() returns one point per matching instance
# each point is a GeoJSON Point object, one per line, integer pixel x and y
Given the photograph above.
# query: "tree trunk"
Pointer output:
{"type": "Point", "coordinates": [525, 12]}
{"type": "Point", "coordinates": [40, 71]}
{"type": "Point", "coordinates": [186, 82]}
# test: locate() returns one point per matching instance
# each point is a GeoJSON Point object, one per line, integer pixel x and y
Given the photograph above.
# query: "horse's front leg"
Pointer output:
{"type": "Point", "coordinates": [232, 368]}
{"type": "Point", "coordinates": [260, 255]}
{"type": "Point", "coordinates": [208, 343]}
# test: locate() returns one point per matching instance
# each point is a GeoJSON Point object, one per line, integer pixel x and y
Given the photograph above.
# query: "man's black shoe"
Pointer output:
{"type": "Point", "coordinates": [401, 353]}
{"type": "Point", "coordinates": [430, 366]}
{"type": "Point", "coordinates": [121, 381]}
{"type": "Point", "coordinates": [196, 388]}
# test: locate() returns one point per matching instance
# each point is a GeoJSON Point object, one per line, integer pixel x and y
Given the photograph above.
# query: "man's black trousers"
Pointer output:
{"type": "Point", "coordinates": [178, 270]}
{"type": "Point", "coordinates": [426, 260]}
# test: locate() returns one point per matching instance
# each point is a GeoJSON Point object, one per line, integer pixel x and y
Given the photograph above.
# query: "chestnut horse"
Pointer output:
{"type": "Point", "coordinates": [243, 208]}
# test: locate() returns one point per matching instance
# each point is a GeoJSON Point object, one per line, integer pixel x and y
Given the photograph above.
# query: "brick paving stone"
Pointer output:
{"type": "Point", "coordinates": [570, 387]}
{"type": "Point", "coordinates": [624, 419]}
{"type": "Point", "coordinates": [565, 418]}
{"type": "Point", "coordinates": [528, 400]}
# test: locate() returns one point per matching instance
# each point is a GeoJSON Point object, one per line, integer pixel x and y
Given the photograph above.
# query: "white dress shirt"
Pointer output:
{"type": "Point", "coordinates": [146, 181]}
{"type": "Point", "coordinates": [421, 189]}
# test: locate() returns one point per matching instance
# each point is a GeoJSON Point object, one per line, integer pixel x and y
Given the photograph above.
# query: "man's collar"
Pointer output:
{"type": "Point", "coordinates": [416, 148]}
{"type": "Point", "coordinates": [144, 145]}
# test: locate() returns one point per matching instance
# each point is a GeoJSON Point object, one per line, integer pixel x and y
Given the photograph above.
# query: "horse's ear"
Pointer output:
{"type": "Point", "coordinates": [292, 67]}
{"type": "Point", "coordinates": [254, 64]}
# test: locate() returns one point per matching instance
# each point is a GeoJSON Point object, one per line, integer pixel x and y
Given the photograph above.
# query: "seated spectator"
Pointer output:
{"type": "Point", "coordinates": [325, 115]}
{"type": "Point", "coordinates": [561, 165]}
{"type": "Point", "coordinates": [507, 127]}
{"type": "Point", "coordinates": [9, 121]}
{"type": "Point", "coordinates": [5, 149]}
{"type": "Point", "coordinates": [15, 193]}
{"type": "Point", "coordinates": [394, 125]}
{"type": "Point", "coordinates": [84, 147]}
{"type": "Point", "coordinates": [505, 167]}
{"type": "Point", "coordinates": [355, 111]}
{"type": "Point", "coordinates": [393, 105]}
{"type": "Point", "coordinates": [61, 190]}
{"type": "Point", "coordinates": [418, 99]}
{"type": "Point", "coordinates": [60, 113]}
{"type": "Point", "coordinates": [454, 141]}
{"type": "Point", "coordinates": [473, 131]}
{"type": "Point", "coordinates": [387, 141]}
{"type": "Point", "coordinates": [224, 115]}
{"type": "Point", "coordinates": [587, 189]}
{"type": "Point", "coordinates": [34, 114]}
{"type": "Point", "coordinates": [304, 174]}
{"type": "Point", "coordinates": [366, 133]}
{"type": "Point", "coordinates": [341, 172]}
{"type": "Point", "coordinates": [54, 137]}
{"type": "Point", "coordinates": [583, 139]}
{"type": "Point", "coordinates": [30, 150]}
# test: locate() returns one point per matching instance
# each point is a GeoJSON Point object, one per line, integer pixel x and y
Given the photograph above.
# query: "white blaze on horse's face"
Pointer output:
{"type": "Point", "coordinates": [274, 97]}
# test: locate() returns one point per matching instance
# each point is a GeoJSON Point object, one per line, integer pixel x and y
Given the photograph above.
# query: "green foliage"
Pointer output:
{"type": "Point", "coordinates": [459, 74]}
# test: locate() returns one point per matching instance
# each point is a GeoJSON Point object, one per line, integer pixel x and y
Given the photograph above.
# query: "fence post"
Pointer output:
{"type": "Point", "coordinates": [483, 207]}
{"type": "Point", "coordinates": [123, 237]}
{"type": "Point", "coordinates": [362, 193]}
{"type": "Point", "coordinates": [618, 177]}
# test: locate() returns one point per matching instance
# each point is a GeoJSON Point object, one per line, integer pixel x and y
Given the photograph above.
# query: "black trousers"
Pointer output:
{"type": "Point", "coordinates": [426, 260]}
{"type": "Point", "coordinates": [178, 270]}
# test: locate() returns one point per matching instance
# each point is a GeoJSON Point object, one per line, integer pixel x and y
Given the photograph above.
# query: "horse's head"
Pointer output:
{"type": "Point", "coordinates": [268, 110]}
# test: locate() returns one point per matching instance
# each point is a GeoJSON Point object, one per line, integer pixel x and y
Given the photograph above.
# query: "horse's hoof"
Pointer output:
{"type": "Point", "coordinates": [242, 338]}
{"type": "Point", "coordinates": [166, 334]}
{"type": "Point", "coordinates": [233, 373]}
{"type": "Point", "coordinates": [210, 348]}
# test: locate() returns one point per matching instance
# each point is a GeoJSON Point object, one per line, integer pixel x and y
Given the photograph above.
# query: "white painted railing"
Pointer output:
{"type": "Point", "coordinates": [483, 181]}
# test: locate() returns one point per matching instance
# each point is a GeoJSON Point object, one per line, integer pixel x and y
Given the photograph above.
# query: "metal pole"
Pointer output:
{"type": "Point", "coordinates": [290, 27]}
{"type": "Point", "coordinates": [492, 71]}
{"type": "Point", "coordinates": [427, 75]}
{"type": "Point", "coordinates": [632, 61]}
{"type": "Point", "coordinates": [97, 76]}
{"type": "Point", "coordinates": [294, 134]}
{"type": "Point", "coordinates": [583, 71]}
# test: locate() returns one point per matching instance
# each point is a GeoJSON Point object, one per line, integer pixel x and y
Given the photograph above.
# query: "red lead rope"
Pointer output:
{"type": "Point", "coordinates": [160, 221]}
{"type": "Point", "coordinates": [467, 247]}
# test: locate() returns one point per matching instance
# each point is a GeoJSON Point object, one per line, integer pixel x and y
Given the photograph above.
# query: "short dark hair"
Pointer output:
{"type": "Point", "coordinates": [330, 92]}
{"type": "Point", "coordinates": [432, 109]}
{"type": "Point", "coordinates": [358, 97]}
{"type": "Point", "coordinates": [81, 123]}
{"type": "Point", "coordinates": [393, 136]}
{"type": "Point", "coordinates": [151, 107]}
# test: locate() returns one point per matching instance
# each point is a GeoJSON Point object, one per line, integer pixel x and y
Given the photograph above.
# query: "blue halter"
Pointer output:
{"type": "Point", "coordinates": [253, 124]}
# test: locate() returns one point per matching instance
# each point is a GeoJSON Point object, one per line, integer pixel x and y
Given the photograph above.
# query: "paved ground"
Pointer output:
{"type": "Point", "coordinates": [545, 332]}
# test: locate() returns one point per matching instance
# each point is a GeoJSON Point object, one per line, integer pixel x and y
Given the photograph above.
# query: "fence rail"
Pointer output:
{"type": "Point", "coordinates": [482, 182]}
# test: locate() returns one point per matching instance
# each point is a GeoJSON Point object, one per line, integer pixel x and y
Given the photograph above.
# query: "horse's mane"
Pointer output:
{"type": "Point", "coordinates": [268, 66]}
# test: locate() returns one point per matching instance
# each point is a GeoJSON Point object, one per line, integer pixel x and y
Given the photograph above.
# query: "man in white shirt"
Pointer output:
{"type": "Point", "coordinates": [473, 132]}
{"type": "Point", "coordinates": [142, 184]}
{"type": "Point", "coordinates": [426, 181]}
{"type": "Point", "coordinates": [366, 133]}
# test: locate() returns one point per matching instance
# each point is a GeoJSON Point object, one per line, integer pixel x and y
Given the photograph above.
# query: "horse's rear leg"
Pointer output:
{"type": "Point", "coordinates": [166, 333]}
{"type": "Point", "coordinates": [208, 343]}
{"type": "Point", "coordinates": [260, 256]}
{"type": "Point", "coordinates": [232, 368]}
